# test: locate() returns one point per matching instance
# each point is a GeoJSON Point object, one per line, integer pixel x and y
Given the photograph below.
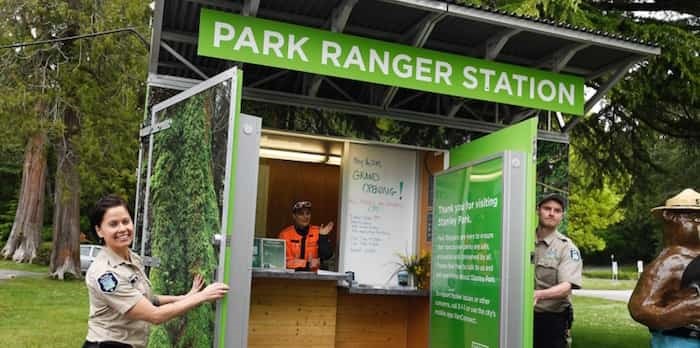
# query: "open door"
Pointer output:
{"type": "Point", "coordinates": [195, 200]}
{"type": "Point", "coordinates": [482, 279]}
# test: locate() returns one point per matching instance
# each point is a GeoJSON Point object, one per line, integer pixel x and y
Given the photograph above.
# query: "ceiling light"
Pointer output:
{"type": "Point", "coordinates": [299, 156]}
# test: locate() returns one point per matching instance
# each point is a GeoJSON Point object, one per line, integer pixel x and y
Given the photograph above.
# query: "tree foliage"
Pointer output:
{"type": "Point", "coordinates": [679, 6]}
{"type": "Point", "coordinates": [96, 84]}
{"type": "Point", "coordinates": [642, 145]}
{"type": "Point", "coordinates": [591, 210]}
{"type": "Point", "coordinates": [645, 137]}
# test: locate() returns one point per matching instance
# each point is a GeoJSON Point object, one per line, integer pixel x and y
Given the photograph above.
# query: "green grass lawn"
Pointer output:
{"type": "Point", "coordinates": [8, 264]}
{"type": "Point", "coordinates": [41, 312]}
{"type": "Point", "coordinates": [607, 284]}
{"type": "Point", "coordinates": [605, 272]}
{"type": "Point", "coordinates": [603, 323]}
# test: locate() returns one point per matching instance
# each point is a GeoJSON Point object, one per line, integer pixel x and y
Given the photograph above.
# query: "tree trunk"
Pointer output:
{"type": "Point", "coordinates": [65, 256]}
{"type": "Point", "coordinates": [25, 236]}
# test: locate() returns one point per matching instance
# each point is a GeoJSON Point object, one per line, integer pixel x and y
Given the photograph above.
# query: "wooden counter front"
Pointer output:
{"type": "Point", "coordinates": [292, 313]}
{"type": "Point", "coordinates": [382, 321]}
{"type": "Point", "coordinates": [317, 314]}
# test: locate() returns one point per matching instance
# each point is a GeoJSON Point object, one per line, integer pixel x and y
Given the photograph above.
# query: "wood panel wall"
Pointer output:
{"type": "Point", "coordinates": [293, 181]}
{"type": "Point", "coordinates": [418, 326]}
{"type": "Point", "coordinates": [292, 313]}
{"type": "Point", "coordinates": [371, 321]}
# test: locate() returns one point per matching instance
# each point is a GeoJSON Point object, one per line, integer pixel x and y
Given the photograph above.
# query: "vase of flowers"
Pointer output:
{"type": "Point", "coordinates": [414, 270]}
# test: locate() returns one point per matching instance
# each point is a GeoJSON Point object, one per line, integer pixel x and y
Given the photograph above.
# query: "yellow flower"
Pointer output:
{"type": "Point", "coordinates": [418, 266]}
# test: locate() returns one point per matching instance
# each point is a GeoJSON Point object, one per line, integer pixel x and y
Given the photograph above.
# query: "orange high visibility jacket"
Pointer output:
{"type": "Point", "coordinates": [309, 244]}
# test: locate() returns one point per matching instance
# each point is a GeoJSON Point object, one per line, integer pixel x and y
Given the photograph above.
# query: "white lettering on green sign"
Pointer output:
{"type": "Point", "coordinates": [253, 40]}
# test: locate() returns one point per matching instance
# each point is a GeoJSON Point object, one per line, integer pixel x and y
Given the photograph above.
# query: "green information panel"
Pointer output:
{"type": "Point", "coordinates": [269, 253]}
{"type": "Point", "coordinates": [466, 269]}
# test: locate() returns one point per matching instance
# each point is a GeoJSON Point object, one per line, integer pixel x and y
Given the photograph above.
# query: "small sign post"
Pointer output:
{"type": "Point", "coordinates": [640, 268]}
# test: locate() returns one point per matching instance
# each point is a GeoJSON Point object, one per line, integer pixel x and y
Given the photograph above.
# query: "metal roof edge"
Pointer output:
{"type": "Point", "coordinates": [431, 5]}
{"type": "Point", "coordinates": [171, 82]}
{"type": "Point", "coordinates": [531, 24]}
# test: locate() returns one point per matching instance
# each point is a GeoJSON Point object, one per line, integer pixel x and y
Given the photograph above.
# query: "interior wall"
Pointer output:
{"type": "Point", "coordinates": [261, 202]}
{"type": "Point", "coordinates": [289, 182]}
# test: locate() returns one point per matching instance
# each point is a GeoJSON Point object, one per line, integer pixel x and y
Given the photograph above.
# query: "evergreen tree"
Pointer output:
{"type": "Point", "coordinates": [27, 88]}
{"type": "Point", "coordinates": [83, 96]}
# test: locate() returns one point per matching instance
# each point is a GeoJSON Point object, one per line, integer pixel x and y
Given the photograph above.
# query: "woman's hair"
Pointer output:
{"type": "Point", "coordinates": [100, 208]}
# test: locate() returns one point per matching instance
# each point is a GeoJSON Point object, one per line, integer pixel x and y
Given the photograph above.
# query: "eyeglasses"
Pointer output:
{"type": "Point", "coordinates": [301, 205]}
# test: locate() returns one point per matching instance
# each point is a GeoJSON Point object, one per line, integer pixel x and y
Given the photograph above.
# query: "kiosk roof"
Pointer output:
{"type": "Point", "coordinates": [437, 25]}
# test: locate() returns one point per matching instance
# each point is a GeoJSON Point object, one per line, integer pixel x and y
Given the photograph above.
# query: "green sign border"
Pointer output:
{"type": "Point", "coordinates": [519, 137]}
{"type": "Point", "coordinates": [253, 40]}
{"type": "Point", "coordinates": [236, 106]}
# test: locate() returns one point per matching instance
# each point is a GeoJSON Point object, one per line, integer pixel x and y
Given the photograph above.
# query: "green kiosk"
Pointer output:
{"type": "Point", "coordinates": [511, 79]}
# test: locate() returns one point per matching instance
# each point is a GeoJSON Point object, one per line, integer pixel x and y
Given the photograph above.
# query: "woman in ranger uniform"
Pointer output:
{"type": "Point", "coordinates": [122, 305]}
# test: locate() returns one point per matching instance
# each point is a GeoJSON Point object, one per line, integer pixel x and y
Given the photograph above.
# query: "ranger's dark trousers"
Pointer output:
{"type": "Point", "coordinates": [550, 330]}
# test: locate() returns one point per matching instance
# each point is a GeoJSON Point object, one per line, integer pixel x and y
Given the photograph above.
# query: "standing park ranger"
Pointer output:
{"type": "Point", "coordinates": [122, 305]}
{"type": "Point", "coordinates": [557, 271]}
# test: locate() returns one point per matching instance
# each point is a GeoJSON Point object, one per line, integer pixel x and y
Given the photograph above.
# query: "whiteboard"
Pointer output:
{"type": "Point", "coordinates": [378, 218]}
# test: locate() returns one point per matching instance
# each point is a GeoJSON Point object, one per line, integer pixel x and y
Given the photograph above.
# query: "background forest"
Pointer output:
{"type": "Point", "coordinates": [71, 113]}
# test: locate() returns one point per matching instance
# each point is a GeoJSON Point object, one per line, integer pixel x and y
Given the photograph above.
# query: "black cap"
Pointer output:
{"type": "Point", "coordinates": [553, 197]}
{"type": "Point", "coordinates": [298, 205]}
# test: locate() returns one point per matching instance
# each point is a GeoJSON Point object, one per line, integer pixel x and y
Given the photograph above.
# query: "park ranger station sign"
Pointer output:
{"type": "Point", "coordinates": [253, 40]}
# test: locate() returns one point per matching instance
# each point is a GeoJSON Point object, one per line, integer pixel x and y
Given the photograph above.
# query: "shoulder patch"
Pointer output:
{"type": "Point", "coordinates": [108, 282]}
{"type": "Point", "coordinates": [575, 255]}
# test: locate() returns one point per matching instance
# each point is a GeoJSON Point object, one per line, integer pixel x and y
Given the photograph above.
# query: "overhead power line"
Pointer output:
{"type": "Point", "coordinates": [78, 37]}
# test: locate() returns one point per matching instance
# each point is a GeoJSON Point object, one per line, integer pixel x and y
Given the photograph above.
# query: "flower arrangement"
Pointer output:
{"type": "Point", "coordinates": [418, 266]}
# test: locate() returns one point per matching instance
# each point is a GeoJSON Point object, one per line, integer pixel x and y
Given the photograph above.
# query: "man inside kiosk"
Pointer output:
{"type": "Point", "coordinates": [306, 244]}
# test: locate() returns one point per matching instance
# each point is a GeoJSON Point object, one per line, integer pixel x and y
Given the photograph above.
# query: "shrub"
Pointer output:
{"type": "Point", "coordinates": [5, 229]}
{"type": "Point", "coordinates": [47, 234]}
{"type": "Point", "coordinates": [43, 255]}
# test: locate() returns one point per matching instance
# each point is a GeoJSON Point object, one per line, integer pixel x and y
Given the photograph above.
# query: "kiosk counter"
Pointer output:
{"type": "Point", "coordinates": [305, 309]}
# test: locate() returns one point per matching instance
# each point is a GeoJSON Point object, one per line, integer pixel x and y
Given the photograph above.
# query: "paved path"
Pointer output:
{"type": "Point", "coordinates": [615, 295]}
{"type": "Point", "coordinates": [10, 273]}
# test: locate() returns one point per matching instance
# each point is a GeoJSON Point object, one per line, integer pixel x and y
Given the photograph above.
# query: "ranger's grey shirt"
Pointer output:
{"type": "Point", "coordinates": [557, 260]}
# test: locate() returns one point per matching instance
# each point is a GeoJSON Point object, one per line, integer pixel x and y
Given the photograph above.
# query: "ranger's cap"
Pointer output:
{"type": "Point", "coordinates": [553, 197]}
{"type": "Point", "coordinates": [301, 205]}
